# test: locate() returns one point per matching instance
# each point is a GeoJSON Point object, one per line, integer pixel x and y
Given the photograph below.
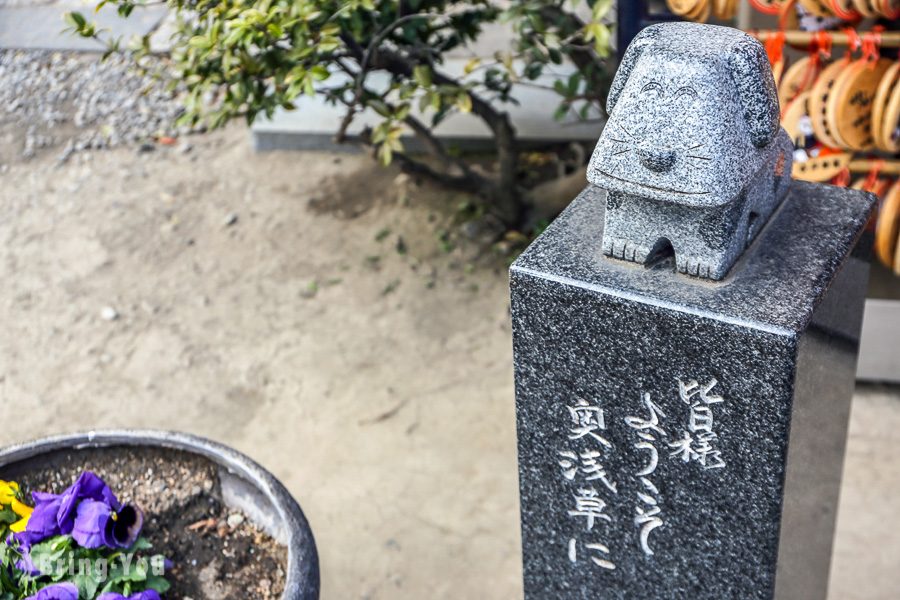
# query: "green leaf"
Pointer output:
{"type": "Point", "coordinates": [471, 65]}
{"type": "Point", "coordinates": [402, 112]}
{"type": "Point", "coordinates": [76, 20]}
{"type": "Point", "coordinates": [464, 102]}
{"type": "Point", "coordinates": [561, 111]}
{"type": "Point", "coordinates": [601, 9]}
{"type": "Point", "coordinates": [142, 543]}
{"type": "Point", "coordinates": [422, 75]}
{"type": "Point", "coordinates": [380, 107]}
{"type": "Point", "coordinates": [87, 583]}
{"type": "Point", "coordinates": [320, 72]}
{"type": "Point", "coordinates": [160, 584]}
{"type": "Point", "coordinates": [385, 154]}
{"type": "Point", "coordinates": [7, 516]}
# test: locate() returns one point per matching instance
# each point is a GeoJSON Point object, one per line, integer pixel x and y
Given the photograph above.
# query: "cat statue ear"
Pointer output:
{"type": "Point", "coordinates": [646, 38]}
{"type": "Point", "coordinates": [752, 75]}
{"type": "Point", "coordinates": [749, 68]}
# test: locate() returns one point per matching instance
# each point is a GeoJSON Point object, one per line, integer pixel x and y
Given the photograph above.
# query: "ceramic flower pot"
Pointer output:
{"type": "Point", "coordinates": [245, 487]}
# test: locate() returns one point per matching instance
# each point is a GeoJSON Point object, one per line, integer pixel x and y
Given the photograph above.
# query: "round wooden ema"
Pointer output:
{"type": "Point", "coordinates": [778, 70]}
{"type": "Point", "coordinates": [798, 78]}
{"type": "Point", "coordinates": [821, 168]}
{"type": "Point", "coordinates": [890, 128]}
{"type": "Point", "coordinates": [682, 7]}
{"type": "Point", "coordinates": [849, 108]}
{"type": "Point", "coordinates": [843, 9]}
{"type": "Point", "coordinates": [889, 9]}
{"type": "Point", "coordinates": [832, 107]}
{"type": "Point", "coordinates": [769, 7]}
{"type": "Point", "coordinates": [879, 104]}
{"type": "Point", "coordinates": [731, 9]}
{"type": "Point", "coordinates": [888, 228]}
{"type": "Point", "coordinates": [722, 9]}
{"type": "Point", "coordinates": [701, 12]}
{"type": "Point", "coordinates": [865, 7]}
{"type": "Point", "coordinates": [817, 8]}
{"type": "Point", "coordinates": [793, 113]}
{"type": "Point", "coordinates": [818, 99]}
{"type": "Point", "coordinates": [897, 259]}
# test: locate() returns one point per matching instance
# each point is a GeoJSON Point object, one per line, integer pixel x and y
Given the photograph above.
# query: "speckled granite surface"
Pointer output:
{"type": "Point", "coordinates": [654, 409]}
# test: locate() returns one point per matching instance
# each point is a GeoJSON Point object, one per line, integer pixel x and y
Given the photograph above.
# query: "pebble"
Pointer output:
{"type": "Point", "coordinates": [108, 313]}
{"type": "Point", "coordinates": [230, 219]}
{"type": "Point", "coordinates": [235, 520]}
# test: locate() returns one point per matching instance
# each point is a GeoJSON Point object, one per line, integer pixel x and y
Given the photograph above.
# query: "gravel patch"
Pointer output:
{"type": "Point", "coordinates": [78, 102]}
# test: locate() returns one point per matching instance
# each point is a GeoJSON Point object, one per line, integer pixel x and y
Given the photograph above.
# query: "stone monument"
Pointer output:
{"type": "Point", "coordinates": [685, 339]}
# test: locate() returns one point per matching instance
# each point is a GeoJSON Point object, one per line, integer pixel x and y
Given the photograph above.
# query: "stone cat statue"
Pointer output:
{"type": "Point", "coordinates": [693, 157]}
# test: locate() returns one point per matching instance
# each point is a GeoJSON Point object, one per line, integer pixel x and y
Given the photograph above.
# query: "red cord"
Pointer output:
{"type": "Point", "coordinates": [842, 179]}
{"type": "Point", "coordinates": [872, 177]}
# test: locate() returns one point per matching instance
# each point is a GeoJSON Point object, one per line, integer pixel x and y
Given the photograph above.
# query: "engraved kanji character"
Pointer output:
{"type": "Point", "coordinates": [590, 505]}
{"type": "Point", "coordinates": [701, 419]}
{"type": "Point", "coordinates": [699, 449]}
{"type": "Point", "coordinates": [588, 421]}
{"type": "Point", "coordinates": [684, 448]}
{"type": "Point", "coordinates": [593, 469]}
{"type": "Point", "coordinates": [688, 390]}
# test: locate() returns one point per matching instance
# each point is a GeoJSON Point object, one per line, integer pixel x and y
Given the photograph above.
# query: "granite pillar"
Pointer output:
{"type": "Point", "coordinates": [683, 437]}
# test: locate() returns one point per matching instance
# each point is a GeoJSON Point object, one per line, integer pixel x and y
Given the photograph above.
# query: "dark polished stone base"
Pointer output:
{"type": "Point", "coordinates": [680, 438]}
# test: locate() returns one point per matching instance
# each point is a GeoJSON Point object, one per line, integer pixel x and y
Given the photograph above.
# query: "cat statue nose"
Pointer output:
{"type": "Point", "coordinates": [657, 160]}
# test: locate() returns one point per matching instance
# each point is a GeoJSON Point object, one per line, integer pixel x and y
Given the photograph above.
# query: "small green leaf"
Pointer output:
{"type": "Point", "coordinates": [422, 75]}
{"type": "Point", "coordinates": [464, 102]}
{"type": "Point", "coordinates": [75, 19]}
{"type": "Point", "coordinates": [160, 584]}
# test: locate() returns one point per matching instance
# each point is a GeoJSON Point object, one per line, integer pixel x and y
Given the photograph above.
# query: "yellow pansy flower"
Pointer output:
{"type": "Point", "coordinates": [8, 490]}
{"type": "Point", "coordinates": [24, 511]}
{"type": "Point", "coordinates": [20, 525]}
{"type": "Point", "coordinates": [8, 497]}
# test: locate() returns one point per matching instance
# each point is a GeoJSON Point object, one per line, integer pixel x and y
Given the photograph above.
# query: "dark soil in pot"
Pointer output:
{"type": "Point", "coordinates": [217, 552]}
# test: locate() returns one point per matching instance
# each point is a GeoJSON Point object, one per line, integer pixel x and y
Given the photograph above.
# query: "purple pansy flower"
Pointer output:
{"type": "Point", "coordinates": [42, 524]}
{"type": "Point", "coordinates": [145, 595]}
{"type": "Point", "coordinates": [97, 525]}
{"type": "Point", "coordinates": [87, 487]}
{"type": "Point", "coordinates": [89, 511]}
{"type": "Point", "coordinates": [92, 524]}
{"type": "Point", "coordinates": [57, 591]}
{"type": "Point", "coordinates": [24, 564]}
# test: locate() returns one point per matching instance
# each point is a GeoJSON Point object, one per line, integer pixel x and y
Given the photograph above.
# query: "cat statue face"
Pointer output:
{"type": "Point", "coordinates": [694, 124]}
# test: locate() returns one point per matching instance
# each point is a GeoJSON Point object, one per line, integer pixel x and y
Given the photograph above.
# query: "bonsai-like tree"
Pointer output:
{"type": "Point", "coordinates": [243, 59]}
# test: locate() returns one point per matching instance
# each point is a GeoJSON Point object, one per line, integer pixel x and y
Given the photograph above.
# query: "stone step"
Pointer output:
{"type": "Point", "coordinates": [43, 27]}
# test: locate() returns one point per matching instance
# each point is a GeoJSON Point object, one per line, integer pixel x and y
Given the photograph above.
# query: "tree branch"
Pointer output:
{"type": "Point", "coordinates": [462, 183]}
{"type": "Point", "coordinates": [504, 193]}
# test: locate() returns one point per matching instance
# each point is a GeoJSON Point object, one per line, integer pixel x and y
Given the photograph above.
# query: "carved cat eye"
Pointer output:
{"type": "Point", "coordinates": [686, 91]}
{"type": "Point", "coordinates": [652, 86]}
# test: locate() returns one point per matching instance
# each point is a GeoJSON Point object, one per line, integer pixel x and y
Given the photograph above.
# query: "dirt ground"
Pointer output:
{"type": "Point", "coordinates": [309, 310]}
